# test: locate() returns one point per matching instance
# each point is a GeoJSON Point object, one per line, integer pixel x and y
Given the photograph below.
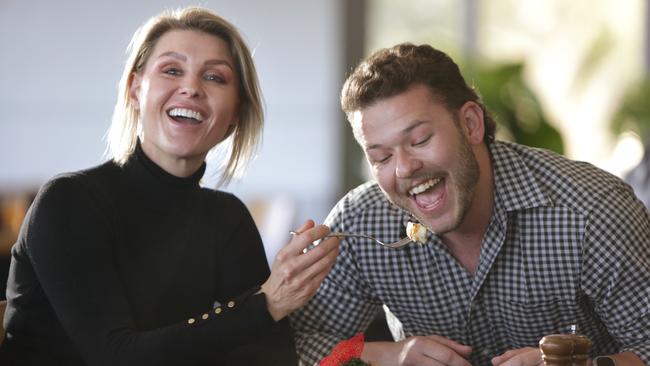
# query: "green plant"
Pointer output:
{"type": "Point", "coordinates": [514, 106]}
{"type": "Point", "coordinates": [633, 113]}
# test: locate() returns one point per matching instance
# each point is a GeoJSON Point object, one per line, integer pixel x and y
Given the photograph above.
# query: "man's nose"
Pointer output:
{"type": "Point", "coordinates": [407, 165]}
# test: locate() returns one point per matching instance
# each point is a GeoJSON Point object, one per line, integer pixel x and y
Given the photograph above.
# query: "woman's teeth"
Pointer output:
{"type": "Point", "coordinates": [185, 113]}
{"type": "Point", "coordinates": [424, 186]}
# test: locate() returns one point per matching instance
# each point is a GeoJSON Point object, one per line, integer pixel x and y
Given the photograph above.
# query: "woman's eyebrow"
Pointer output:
{"type": "Point", "coordinates": [175, 55]}
{"type": "Point", "coordinates": [182, 57]}
{"type": "Point", "coordinates": [218, 62]}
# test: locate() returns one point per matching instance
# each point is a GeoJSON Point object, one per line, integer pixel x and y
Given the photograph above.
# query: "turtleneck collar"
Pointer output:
{"type": "Point", "coordinates": [140, 158]}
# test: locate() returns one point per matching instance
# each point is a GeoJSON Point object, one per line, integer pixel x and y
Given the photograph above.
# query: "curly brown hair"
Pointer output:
{"type": "Point", "coordinates": [391, 71]}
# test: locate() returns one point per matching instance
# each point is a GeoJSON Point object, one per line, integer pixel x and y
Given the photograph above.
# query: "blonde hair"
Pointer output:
{"type": "Point", "coordinates": [246, 134]}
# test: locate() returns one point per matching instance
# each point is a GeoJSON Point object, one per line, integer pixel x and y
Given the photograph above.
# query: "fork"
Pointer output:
{"type": "Point", "coordinates": [398, 244]}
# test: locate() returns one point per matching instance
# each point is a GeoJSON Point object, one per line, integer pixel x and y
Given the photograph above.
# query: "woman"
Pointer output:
{"type": "Point", "coordinates": [132, 262]}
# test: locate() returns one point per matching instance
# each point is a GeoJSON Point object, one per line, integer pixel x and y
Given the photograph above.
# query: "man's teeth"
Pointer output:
{"type": "Point", "coordinates": [424, 186]}
{"type": "Point", "coordinates": [186, 113]}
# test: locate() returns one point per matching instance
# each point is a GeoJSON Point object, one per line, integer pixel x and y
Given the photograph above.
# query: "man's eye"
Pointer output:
{"type": "Point", "coordinates": [214, 77]}
{"type": "Point", "coordinates": [382, 160]}
{"type": "Point", "coordinates": [423, 141]}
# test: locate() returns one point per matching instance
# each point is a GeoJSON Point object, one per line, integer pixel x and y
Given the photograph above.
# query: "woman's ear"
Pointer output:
{"type": "Point", "coordinates": [472, 122]}
{"type": "Point", "coordinates": [135, 82]}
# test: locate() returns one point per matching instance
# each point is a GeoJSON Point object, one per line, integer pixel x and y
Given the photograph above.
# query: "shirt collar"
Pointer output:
{"type": "Point", "coordinates": [516, 188]}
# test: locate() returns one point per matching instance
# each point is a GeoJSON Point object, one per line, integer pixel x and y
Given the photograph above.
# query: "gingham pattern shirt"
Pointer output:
{"type": "Point", "coordinates": [567, 244]}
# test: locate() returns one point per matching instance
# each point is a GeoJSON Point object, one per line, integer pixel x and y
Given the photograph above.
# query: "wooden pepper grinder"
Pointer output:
{"type": "Point", "coordinates": [565, 349]}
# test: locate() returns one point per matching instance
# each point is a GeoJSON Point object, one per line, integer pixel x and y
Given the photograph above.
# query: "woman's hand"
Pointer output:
{"type": "Point", "coordinates": [295, 276]}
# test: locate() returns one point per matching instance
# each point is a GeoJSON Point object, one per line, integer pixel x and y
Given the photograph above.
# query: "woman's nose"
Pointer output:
{"type": "Point", "coordinates": [191, 87]}
{"type": "Point", "coordinates": [406, 165]}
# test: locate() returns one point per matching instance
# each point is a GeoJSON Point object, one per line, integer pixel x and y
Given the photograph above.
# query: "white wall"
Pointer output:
{"type": "Point", "coordinates": [60, 62]}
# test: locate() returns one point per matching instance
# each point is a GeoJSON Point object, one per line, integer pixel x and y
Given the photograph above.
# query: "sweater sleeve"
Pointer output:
{"type": "Point", "coordinates": [67, 239]}
{"type": "Point", "coordinates": [242, 259]}
{"type": "Point", "coordinates": [244, 266]}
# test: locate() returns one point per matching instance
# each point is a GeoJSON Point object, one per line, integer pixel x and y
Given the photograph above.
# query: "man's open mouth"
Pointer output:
{"type": "Point", "coordinates": [429, 193]}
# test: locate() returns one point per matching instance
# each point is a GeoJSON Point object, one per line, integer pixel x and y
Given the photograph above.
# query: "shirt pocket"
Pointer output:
{"type": "Point", "coordinates": [526, 322]}
{"type": "Point", "coordinates": [539, 294]}
{"type": "Point", "coordinates": [531, 309]}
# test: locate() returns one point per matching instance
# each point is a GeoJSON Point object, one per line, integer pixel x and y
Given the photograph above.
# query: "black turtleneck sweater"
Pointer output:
{"type": "Point", "coordinates": [128, 265]}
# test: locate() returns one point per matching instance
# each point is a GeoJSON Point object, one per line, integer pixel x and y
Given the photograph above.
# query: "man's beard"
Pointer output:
{"type": "Point", "coordinates": [463, 177]}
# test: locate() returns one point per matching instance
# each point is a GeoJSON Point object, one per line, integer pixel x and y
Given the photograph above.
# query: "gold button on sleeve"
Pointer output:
{"type": "Point", "coordinates": [190, 321]}
{"type": "Point", "coordinates": [217, 310]}
{"type": "Point", "coordinates": [204, 316]}
{"type": "Point", "coordinates": [231, 304]}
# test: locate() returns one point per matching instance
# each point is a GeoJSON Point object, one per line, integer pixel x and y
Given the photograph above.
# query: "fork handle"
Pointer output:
{"type": "Point", "coordinates": [341, 235]}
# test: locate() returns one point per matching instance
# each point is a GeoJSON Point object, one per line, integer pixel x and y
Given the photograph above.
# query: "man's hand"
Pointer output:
{"type": "Point", "coordinates": [295, 276]}
{"type": "Point", "coordinates": [530, 356]}
{"type": "Point", "coordinates": [422, 350]}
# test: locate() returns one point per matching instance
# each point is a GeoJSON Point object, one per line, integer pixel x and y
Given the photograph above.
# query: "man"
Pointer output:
{"type": "Point", "coordinates": [522, 242]}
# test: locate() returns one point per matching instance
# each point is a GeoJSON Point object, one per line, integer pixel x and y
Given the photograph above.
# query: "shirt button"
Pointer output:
{"type": "Point", "coordinates": [217, 310]}
{"type": "Point", "coordinates": [231, 304]}
{"type": "Point", "coordinates": [190, 321]}
{"type": "Point", "coordinates": [204, 316]}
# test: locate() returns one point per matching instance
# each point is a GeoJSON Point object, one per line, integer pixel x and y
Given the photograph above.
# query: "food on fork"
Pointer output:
{"type": "Point", "coordinates": [416, 232]}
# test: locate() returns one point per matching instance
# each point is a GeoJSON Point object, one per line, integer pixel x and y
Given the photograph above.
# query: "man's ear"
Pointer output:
{"type": "Point", "coordinates": [135, 82]}
{"type": "Point", "coordinates": [472, 122]}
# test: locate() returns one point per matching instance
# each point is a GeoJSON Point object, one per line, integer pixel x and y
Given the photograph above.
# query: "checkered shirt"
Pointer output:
{"type": "Point", "coordinates": [567, 244]}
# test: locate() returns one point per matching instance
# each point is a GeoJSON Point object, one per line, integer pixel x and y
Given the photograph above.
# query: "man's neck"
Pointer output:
{"type": "Point", "coordinates": [465, 242]}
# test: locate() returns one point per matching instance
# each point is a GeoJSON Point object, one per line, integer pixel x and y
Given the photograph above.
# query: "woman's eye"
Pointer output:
{"type": "Point", "coordinates": [172, 71]}
{"type": "Point", "coordinates": [423, 141]}
{"type": "Point", "coordinates": [214, 77]}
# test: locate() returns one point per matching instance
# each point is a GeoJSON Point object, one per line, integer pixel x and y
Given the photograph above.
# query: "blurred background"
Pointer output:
{"type": "Point", "coordinates": [567, 76]}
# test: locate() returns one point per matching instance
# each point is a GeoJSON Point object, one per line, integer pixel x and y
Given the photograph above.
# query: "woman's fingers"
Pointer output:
{"type": "Point", "coordinates": [307, 225]}
{"type": "Point", "coordinates": [300, 270]}
{"type": "Point", "coordinates": [295, 276]}
{"type": "Point", "coordinates": [312, 256]}
{"type": "Point", "coordinates": [319, 263]}
{"type": "Point", "coordinates": [304, 236]}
